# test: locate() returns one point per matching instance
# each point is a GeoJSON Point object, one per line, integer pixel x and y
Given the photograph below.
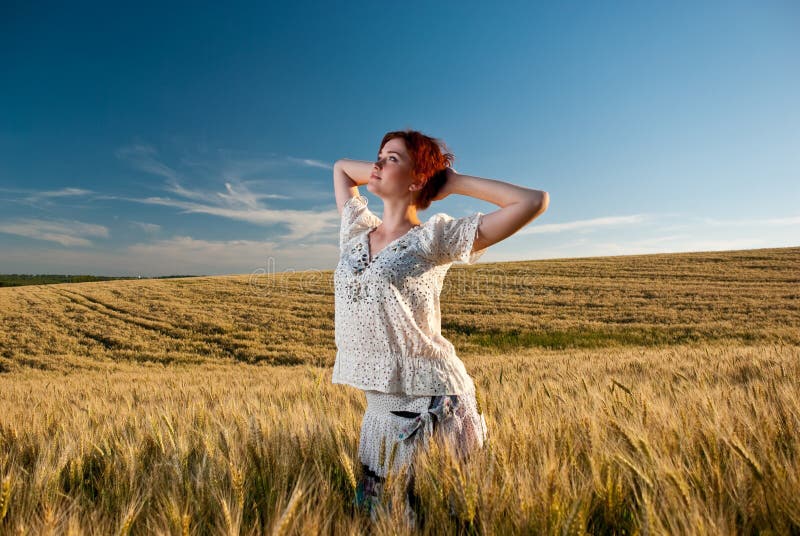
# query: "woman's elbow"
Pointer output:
{"type": "Point", "coordinates": [545, 201]}
{"type": "Point", "coordinates": [539, 201]}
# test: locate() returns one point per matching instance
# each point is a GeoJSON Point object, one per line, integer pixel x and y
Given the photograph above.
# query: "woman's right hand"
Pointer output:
{"type": "Point", "coordinates": [358, 170]}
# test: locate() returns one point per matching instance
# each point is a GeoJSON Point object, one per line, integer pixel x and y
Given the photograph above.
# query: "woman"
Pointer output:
{"type": "Point", "coordinates": [387, 285]}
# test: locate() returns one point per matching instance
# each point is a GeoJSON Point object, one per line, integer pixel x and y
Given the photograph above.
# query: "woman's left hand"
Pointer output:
{"type": "Point", "coordinates": [447, 187]}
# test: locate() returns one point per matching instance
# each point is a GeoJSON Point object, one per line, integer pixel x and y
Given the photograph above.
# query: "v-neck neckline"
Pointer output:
{"type": "Point", "coordinates": [372, 259]}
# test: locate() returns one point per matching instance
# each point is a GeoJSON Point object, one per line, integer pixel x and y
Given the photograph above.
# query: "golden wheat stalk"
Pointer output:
{"type": "Point", "coordinates": [347, 464]}
{"type": "Point", "coordinates": [226, 512]}
{"type": "Point", "coordinates": [748, 458]}
{"type": "Point", "coordinates": [289, 512]}
{"type": "Point", "coordinates": [185, 525]}
{"type": "Point", "coordinates": [5, 497]}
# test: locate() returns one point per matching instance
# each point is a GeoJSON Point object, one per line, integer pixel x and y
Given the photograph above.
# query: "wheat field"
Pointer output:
{"type": "Point", "coordinates": [648, 394]}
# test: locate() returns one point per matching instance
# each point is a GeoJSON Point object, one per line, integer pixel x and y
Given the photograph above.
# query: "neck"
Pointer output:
{"type": "Point", "coordinates": [399, 216]}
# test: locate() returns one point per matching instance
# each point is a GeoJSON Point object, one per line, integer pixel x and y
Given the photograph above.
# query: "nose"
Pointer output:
{"type": "Point", "coordinates": [378, 164]}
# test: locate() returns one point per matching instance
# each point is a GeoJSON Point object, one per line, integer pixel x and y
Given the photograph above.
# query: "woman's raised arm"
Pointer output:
{"type": "Point", "coordinates": [520, 205]}
{"type": "Point", "coordinates": [348, 175]}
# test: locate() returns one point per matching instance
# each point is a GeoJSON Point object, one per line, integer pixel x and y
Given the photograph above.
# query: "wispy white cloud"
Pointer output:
{"type": "Point", "coordinates": [237, 202]}
{"type": "Point", "coordinates": [63, 192]}
{"type": "Point", "coordinates": [584, 225]}
{"type": "Point", "coordinates": [143, 157]}
{"type": "Point", "coordinates": [64, 232]}
{"type": "Point", "coordinates": [39, 198]}
{"type": "Point", "coordinates": [240, 195]}
{"type": "Point", "coordinates": [302, 224]}
{"type": "Point", "coordinates": [310, 162]}
{"type": "Point", "coordinates": [249, 172]}
{"type": "Point", "coordinates": [176, 188]}
{"type": "Point", "coordinates": [147, 227]}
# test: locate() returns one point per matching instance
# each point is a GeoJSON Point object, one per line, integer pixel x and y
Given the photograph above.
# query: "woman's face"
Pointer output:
{"type": "Point", "coordinates": [392, 172]}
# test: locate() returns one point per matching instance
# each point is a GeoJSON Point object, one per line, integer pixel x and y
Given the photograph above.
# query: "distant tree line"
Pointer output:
{"type": "Point", "coordinates": [16, 280]}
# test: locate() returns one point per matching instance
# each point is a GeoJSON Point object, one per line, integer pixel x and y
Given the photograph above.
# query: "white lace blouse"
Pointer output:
{"type": "Point", "coordinates": [387, 317]}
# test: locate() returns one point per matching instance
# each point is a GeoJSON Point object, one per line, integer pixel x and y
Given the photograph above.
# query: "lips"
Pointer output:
{"type": "Point", "coordinates": [373, 176]}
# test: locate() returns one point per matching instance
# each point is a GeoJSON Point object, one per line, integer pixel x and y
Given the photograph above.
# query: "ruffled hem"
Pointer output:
{"type": "Point", "coordinates": [383, 448]}
{"type": "Point", "coordinates": [415, 376]}
{"type": "Point", "coordinates": [379, 438]}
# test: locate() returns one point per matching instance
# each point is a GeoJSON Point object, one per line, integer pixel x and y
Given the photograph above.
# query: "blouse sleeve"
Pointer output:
{"type": "Point", "coordinates": [355, 217]}
{"type": "Point", "coordinates": [452, 238]}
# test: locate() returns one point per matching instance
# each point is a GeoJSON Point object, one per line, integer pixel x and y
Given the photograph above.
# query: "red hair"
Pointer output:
{"type": "Point", "coordinates": [430, 159]}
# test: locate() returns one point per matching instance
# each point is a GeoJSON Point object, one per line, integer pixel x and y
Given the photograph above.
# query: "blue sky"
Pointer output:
{"type": "Point", "coordinates": [190, 139]}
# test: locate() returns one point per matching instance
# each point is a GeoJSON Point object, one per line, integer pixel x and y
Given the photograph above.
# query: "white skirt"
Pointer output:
{"type": "Point", "coordinates": [395, 425]}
